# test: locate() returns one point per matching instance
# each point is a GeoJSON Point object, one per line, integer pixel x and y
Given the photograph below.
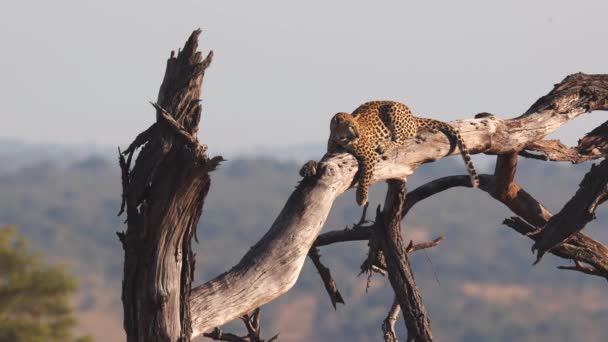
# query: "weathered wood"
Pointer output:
{"type": "Point", "coordinates": [504, 173]}
{"type": "Point", "coordinates": [554, 150]}
{"type": "Point", "coordinates": [163, 195]}
{"type": "Point", "coordinates": [272, 266]}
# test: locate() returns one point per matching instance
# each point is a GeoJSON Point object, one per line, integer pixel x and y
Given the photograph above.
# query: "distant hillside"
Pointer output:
{"type": "Point", "coordinates": [479, 285]}
{"type": "Point", "coordinates": [15, 154]}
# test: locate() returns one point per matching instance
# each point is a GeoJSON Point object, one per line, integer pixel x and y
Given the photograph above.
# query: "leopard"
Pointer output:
{"type": "Point", "coordinates": [376, 128]}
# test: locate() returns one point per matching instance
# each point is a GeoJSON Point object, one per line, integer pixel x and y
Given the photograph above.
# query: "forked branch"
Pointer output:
{"type": "Point", "coordinates": [276, 260]}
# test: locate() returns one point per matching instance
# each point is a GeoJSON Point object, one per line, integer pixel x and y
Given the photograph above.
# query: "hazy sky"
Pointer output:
{"type": "Point", "coordinates": [84, 71]}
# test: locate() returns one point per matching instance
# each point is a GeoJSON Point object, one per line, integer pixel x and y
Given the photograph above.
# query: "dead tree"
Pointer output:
{"type": "Point", "coordinates": [164, 191]}
{"type": "Point", "coordinates": [163, 195]}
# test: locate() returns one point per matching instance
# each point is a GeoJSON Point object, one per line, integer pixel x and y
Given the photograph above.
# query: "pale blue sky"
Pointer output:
{"type": "Point", "coordinates": [84, 71]}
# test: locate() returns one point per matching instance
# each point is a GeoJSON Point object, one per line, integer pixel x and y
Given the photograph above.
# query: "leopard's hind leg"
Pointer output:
{"type": "Point", "coordinates": [398, 118]}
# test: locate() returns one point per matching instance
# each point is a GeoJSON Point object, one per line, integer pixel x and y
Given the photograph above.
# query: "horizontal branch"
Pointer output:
{"type": "Point", "coordinates": [554, 150]}
{"type": "Point", "coordinates": [272, 265]}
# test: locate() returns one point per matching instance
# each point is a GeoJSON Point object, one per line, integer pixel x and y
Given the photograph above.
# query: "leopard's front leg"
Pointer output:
{"type": "Point", "coordinates": [366, 169]}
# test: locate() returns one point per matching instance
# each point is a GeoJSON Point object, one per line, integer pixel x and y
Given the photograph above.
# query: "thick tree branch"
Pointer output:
{"type": "Point", "coordinates": [504, 173]}
{"type": "Point", "coordinates": [595, 142]}
{"type": "Point", "coordinates": [399, 270]}
{"type": "Point", "coordinates": [554, 150]}
{"type": "Point", "coordinates": [272, 266]}
{"type": "Point", "coordinates": [579, 210]}
{"type": "Point", "coordinates": [431, 188]}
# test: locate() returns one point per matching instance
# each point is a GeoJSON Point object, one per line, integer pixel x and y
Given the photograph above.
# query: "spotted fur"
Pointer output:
{"type": "Point", "coordinates": [375, 128]}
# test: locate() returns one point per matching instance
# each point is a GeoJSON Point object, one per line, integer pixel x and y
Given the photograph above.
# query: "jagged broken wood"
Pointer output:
{"type": "Point", "coordinates": [163, 195]}
{"type": "Point", "coordinates": [579, 210]}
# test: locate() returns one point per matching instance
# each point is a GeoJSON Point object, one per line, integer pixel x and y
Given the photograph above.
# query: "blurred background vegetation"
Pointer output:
{"type": "Point", "coordinates": [478, 285]}
{"type": "Point", "coordinates": [34, 296]}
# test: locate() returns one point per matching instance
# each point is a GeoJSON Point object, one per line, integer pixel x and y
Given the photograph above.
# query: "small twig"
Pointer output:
{"type": "Point", "coordinates": [328, 281]}
{"type": "Point", "coordinates": [388, 326]}
{"type": "Point", "coordinates": [176, 126]}
{"type": "Point", "coordinates": [374, 263]}
{"type": "Point", "coordinates": [359, 233]}
{"type": "Point", "coordinates": [411, 248]}
{"type": "Point", "coordinates": [252, 323]}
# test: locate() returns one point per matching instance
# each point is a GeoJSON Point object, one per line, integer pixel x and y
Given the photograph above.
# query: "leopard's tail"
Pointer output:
{"type": "Point", "coordinates": [453, 132]}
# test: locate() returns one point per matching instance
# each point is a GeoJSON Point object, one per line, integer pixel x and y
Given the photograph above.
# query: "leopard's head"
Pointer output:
{"type": "Point", "coordinates": [344, 130]}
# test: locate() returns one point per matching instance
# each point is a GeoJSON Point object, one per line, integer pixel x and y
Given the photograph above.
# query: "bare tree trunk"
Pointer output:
{"type": "Point", "coordinates": [163, 195]}
{"type": "Point", "coordinates": [400, 272]}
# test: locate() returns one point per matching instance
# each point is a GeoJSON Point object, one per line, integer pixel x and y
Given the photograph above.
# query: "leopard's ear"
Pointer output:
{"type": "Point", "coordinates": [333, 123]}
